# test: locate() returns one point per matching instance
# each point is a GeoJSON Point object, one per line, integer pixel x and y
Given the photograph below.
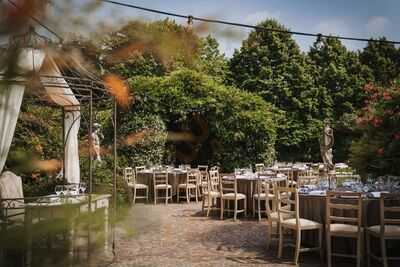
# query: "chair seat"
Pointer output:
{"type": "Point", "coordinates": [138, 186]}
{"type": "Point", "coordinates": [212, 194]}
{"type": "Point", "coordinates": [232, 196]}
{"type": "Point", "coordinates": [186, 186]}
{"type": "Point", "coordinates": [263, 196]}
{"type": "Point", "coordinates": [345, 229]}
{"type": "Point", "coordinates": [390, 230]}
{"type": "Point", "coordinates": [304, 224]}
{"type": "Point", "coordinates": [163, 186]}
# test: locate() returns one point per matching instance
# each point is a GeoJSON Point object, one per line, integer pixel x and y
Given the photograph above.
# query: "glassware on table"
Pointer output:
{"type": "Point", "coordinates": [82, 188]}
{"type": "Point", "coordinates": [59, 190]}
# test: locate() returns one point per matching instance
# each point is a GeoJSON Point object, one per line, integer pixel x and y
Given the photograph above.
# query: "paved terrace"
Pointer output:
{"type": "Point", "coordinates": [179, 235]}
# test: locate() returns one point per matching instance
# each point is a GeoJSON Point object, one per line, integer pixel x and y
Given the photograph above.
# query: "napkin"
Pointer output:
{"type": "Point", "coordinates": [317, 193]}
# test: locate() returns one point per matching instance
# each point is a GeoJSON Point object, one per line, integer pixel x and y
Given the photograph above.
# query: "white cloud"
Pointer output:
{"type": "Point", "coordinates": [376, 25]}
{"type": "Point", "coordinates": [259, 16]}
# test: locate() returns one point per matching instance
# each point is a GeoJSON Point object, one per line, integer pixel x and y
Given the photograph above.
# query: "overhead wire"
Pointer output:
{"type": "Point", "coordinates": [256, 27]}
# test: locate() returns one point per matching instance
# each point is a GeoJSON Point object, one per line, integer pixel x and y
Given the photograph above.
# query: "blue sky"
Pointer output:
{"type": "Point", "coordinates": [358, 18]}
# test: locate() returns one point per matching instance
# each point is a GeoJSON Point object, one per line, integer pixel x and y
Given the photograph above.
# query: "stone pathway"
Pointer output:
{"type": "Point", "coordinates": [179, 235]}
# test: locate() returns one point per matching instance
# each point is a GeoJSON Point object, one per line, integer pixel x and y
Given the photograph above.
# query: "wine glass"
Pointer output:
{"type": "Point", "coordinates": [59, 190]}
{"type": "Point", "coordinates": [82, 187]}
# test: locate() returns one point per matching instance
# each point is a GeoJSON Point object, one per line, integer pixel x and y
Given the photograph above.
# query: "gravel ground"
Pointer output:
{"type": "Point", "coordinates": [180, 235]}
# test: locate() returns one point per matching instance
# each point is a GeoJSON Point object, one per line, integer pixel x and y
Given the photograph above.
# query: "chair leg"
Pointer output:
{"type": "Point", "coordinates": [147, 195]}
{"type": "Point", "coordinates": [187, 195]}
{"type": "Point", "coordinates": [297, 250]}
{"type": "Point", "coordinates": [269, 234]}
{"type": "Point", "coordinates": [329, 249]}
{"type": "Point", "coordinates": [197, 198]}
{"type": "Point", "coordinates": [155, 196]}
{"type": "Point", "coordinates": [259, 209]}
{"type": "Point", "coordinates": [321, 252]}
{"type": "Point", "coordinates": [383, 249]}
{"type": "Point", "coordinates": [222, 209]}
{"type": "Point", "coordinates": [280, 242]}
{"type": "Point", "coordinates": [208, 204]}
{"type": "Point", "coordinates": [245, 207]}
{"type": "Point", "coordinates": [203, 203]}
{"type": "Point", "coordinates": [166, 196]}
{"type": "Point", "coordinates": [368, 249]}
{"type": "Point", "coordinates": [254, 207]}
{"type": "Point", "coordinates": [134, 195]}
{"type": "Point", "coordinates": [178, 194]}
{"type": "Point", "coordinates": [235, 209]}
{"type": "Point", "coordinates": [359, 244]}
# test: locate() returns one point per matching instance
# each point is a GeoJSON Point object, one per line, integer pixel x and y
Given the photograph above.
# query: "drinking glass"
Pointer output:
{"type": "Point", "coordinates": [59, 190]}
{"type": "Point", "coordinates": [82, 188]}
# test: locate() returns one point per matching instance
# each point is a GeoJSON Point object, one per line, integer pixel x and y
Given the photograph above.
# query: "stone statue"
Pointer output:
{"type": "Point", "coordinates": [96, 137]}
{"type": "Point", "coordinates": [326, 145]}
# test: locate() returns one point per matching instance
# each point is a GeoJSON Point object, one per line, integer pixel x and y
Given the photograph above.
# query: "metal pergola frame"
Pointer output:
{"type": "Point", "coordinates": [87, 91]}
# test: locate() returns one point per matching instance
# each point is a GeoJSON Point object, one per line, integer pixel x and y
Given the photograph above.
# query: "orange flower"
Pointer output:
{"type": "Point", "coordinates": [118, 89]}
{"type": "Point", "coordinates": [380, 151]}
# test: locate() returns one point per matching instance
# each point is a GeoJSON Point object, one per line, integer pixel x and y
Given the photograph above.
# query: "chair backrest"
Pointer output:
{"type": "Point", "coordinates": [389, 209]}
{"type": "Point", "coordinates": [192, 176]}
{"type": "Point", "coordinates": [307, 177]}
{"type": "Point", "coordinates": [214, 168]}
{"type": "Point", "coordinates": [160, 177]}
{"type": "Point", "coordinates": [203, 169]}
{"type": "Point", "coordinates": [289, 174]}
{"type": "Point", "coordinates": [139, 168]}
{"type": "Point", "coordinates": [214, 181]}
{"type": "Point", "coordinates": [129, 175]}
{"type": "Point", "coordinates": [344, 207]}
{"type": "Point", "coordinates": [288, 203]}
{"type": "Point", "coordinates": [260, 167]}
{"type": "Point", "coordinates": [228, 185]}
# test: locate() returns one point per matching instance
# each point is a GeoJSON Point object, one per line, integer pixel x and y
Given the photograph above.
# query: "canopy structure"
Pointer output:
{"type": "Point", "coordinates": [65, 85]}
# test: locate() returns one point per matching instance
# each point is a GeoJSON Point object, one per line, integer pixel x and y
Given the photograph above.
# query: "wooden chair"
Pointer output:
{"type": "Point", "coordinates": [261, 197]}
{"type": "Point", "coordinates": [192, 180]}
{"type": "Point", "coordinates": [228, 192]}
{"type": "Point", "coordinates": [139, 169]}
{"type": "Point", "coordinates": [212, 192]}
{"type": "Point", "coordinates": [347, 222]}
{"type": "Point", "coordinates": [307, 177]}
{"type": "Point", "coordinates": [290, 177]}
{"type": "Point", "coordinates": [260, 167]}
{"type": "Point", "coordinates": [389, 228]}
{"type": "Point", "coordinates": [130, 178]}
{"type": "Point", "coordinates": [272, 213]}
{"type": "Point", "coordinates": [203, 178]}
{"type": "Point", "coordinates": [290, 197]}
{"type": "Point", "coordinates": [160, 182]}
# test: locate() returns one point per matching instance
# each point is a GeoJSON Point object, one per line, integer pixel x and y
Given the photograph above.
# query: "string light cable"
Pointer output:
{"type": "Point", "coordinates": [261, 28]}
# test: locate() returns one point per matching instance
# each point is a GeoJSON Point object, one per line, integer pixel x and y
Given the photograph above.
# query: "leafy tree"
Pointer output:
{"type": "Point", "coordinates": [377, 151]}
{"type": "Point", "coordinates": [211, 61]}
{"type": "Point", "coordinates": [340, 77]}
{"type": "Point", "coordinates": [383, 59]}
{"type": "Point", "coordinates": [208, 122]}
{"type": "Point", "coordinates": [271, 65]}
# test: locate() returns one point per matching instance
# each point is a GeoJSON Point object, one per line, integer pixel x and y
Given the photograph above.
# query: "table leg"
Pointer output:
{"type": "Point", "coordinates": [106, 226]}
{"type": "Point", "coordinates": [28, 236]}
{"type": "Point", "coordinates": [71, 237]}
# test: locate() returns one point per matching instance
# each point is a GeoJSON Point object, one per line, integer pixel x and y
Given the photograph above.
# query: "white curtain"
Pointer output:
{"type": "Point", "coordinates": [11, 95]}
{"type": "Point", "coordinates": [61, 94]}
